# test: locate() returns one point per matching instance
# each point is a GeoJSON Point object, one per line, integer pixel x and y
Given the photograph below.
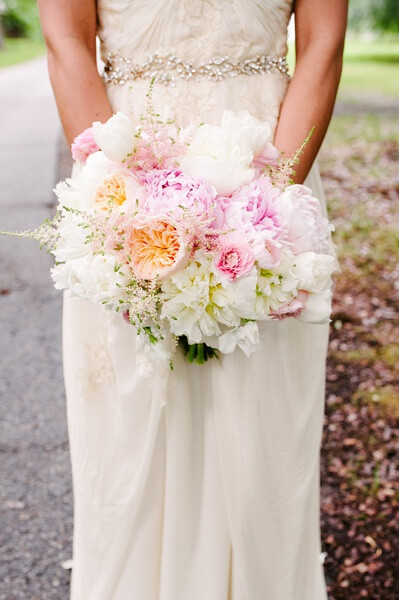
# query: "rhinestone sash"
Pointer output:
{"type": "Point", "coordinates": [168, 68]}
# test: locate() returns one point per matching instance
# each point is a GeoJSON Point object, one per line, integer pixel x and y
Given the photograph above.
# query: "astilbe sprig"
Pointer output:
{"type": "Point", "coordinates": [47, 234]}
{"type": "Point", "coordinates": [281, 174]}
{"type": "Point", "coordinates": [160, 144]}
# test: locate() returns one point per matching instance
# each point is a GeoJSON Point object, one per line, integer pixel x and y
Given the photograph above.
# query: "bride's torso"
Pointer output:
{"type": "Point", "coordinates": [194, 29]}
{"type": "Point", "coordinates": [198, 31]}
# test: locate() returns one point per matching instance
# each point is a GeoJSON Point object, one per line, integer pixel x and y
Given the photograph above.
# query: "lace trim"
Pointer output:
{"type": "Point", "coordinates": [99, 369]}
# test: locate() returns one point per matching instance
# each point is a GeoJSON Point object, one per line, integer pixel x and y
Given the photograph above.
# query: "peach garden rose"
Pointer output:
{"type": "Point", "coordinates": [157, 249]}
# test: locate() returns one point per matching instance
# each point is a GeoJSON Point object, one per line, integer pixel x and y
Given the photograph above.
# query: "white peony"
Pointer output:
{"type": "Point", "coordinates": [317, 308]}
{"type": "Point", "coordinates": [253, 134]}
{"type": "Point", "coordinates": [92, 277]}
{"type": "Point", "coordinates": [69, 191]}
{"type": "Point", "coordinates": [196, 300]}
{"type": "Point", "coordinates": [245, 337]}
{"type": "Point", "coordinates": [71, 243]}
{"type": "Point", "coordinates": [223, 155]}
{"type": "Point", "coordinates": [116, 137]}
{"type": "Point", "coordinates": [245, 294]}
{"type": "Point", "coordinates": [313, 271]}
{"type": "Point", "coordinates": [264, 290]}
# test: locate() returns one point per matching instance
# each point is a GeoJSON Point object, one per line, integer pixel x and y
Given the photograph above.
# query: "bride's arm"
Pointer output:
{"type": "Point", "coordinates": [69, 29]}
{"type": "Point", "coordinates": [320, 33]}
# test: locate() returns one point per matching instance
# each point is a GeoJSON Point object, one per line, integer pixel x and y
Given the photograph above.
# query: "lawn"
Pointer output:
{"type": "Point", "coordinates": [19, 50]}
{"type": "Point", "coordinates": [371, 68]}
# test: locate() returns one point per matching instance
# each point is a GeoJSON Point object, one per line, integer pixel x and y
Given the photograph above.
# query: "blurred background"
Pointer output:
{"type": "Point", "coordinates": [360, 454]}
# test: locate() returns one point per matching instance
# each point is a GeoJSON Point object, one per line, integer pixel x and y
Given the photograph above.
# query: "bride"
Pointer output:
{"type": "Point", "coordinates": [201, 483]}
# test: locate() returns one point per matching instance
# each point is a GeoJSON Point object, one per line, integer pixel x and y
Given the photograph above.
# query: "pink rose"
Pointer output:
{"type": "Point", "coordinates": [235, 257]}
{"type": "Point", "coordinates": [84, 145]}
{"type": "Point", "coordinates": [267, 156]}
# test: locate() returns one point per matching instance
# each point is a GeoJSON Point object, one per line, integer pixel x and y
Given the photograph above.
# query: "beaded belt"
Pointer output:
{"type": "Point", "coordinates": [168, 67]}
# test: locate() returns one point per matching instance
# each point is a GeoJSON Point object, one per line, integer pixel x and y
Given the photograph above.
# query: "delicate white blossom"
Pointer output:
{"type": "Point", "coordinates": [116, 137]}
{"type": "Point", "coordinates": [224, 155]}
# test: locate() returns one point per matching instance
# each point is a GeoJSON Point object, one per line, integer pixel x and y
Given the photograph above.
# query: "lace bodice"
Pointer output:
{"type": "Point", "coordinates": [198, 31]}
{"type": "Point", "coordinates": [194, 29]}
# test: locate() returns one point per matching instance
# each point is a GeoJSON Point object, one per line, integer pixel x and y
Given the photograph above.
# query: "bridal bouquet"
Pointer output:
{"type": "Point", "coordinates": [193, 234]}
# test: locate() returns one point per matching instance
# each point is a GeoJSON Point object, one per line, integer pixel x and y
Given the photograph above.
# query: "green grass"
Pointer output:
{"type": "Point", "coordinates": [346, 129]}
{"type": "Point", "coordinates": [19, 50]}
{"type": "Point", "coordinates": [370, 69]}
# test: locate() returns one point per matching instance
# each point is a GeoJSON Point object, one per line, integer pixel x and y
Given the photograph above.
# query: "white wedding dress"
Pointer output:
{"type": "Point", "coordinates": [201, 483]}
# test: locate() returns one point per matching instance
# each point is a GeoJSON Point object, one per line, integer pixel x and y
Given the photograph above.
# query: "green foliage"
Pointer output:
{"type": "Point", "coordinates": [385, 14]}
{"type": "Point", "coordinates": [197, 353]}
{"type": "Point", "coordinates": [21, 19]}
{"type": "Point", "coordinates": [18, 50]}
{"type": "Point", "coordinates": [378, 15]}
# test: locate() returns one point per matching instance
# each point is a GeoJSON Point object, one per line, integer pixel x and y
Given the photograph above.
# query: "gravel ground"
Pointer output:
{"type": "Point", "coordinates": [35, 495]}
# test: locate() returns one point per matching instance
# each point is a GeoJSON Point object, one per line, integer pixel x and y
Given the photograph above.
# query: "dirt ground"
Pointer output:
{"type": "Point", "coordinates": [360, 455]}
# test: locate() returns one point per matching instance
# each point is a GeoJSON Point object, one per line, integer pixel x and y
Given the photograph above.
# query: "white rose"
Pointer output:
{"type": "Point", "coordinates": [116, 137]}
{"type": "Point", "coordinates": [223, 154]}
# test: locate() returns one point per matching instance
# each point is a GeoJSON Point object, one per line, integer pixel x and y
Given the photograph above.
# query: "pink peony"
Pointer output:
{"type": "Point", "coordinates": [267, 156]}
{"type": "Point", "coordinates": [267, 251]}
{"type": "Point", "coordinates": [253, 207]}
{"type": "Point", "coordinates": [307, 230]}
{"type": "Point", "coordinates": [84, 145]}
{"type": "Point", "coordinates": [235, 257]}
{"type": "Point", "coordinates": [293, 308]}
{"type": "Point", "coordinates": [172, 191]}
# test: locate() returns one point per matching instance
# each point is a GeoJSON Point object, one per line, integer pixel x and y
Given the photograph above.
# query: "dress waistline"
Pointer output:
{"type": "Point", "coordinates": [168, 68]}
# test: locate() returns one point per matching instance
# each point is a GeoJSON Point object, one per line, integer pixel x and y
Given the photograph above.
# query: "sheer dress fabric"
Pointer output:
{"type": "Point", "coordinates": [201, 483]}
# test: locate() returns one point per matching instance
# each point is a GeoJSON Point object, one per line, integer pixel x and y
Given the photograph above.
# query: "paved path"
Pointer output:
{"type": "Point", "coordinates": [35, 491]}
